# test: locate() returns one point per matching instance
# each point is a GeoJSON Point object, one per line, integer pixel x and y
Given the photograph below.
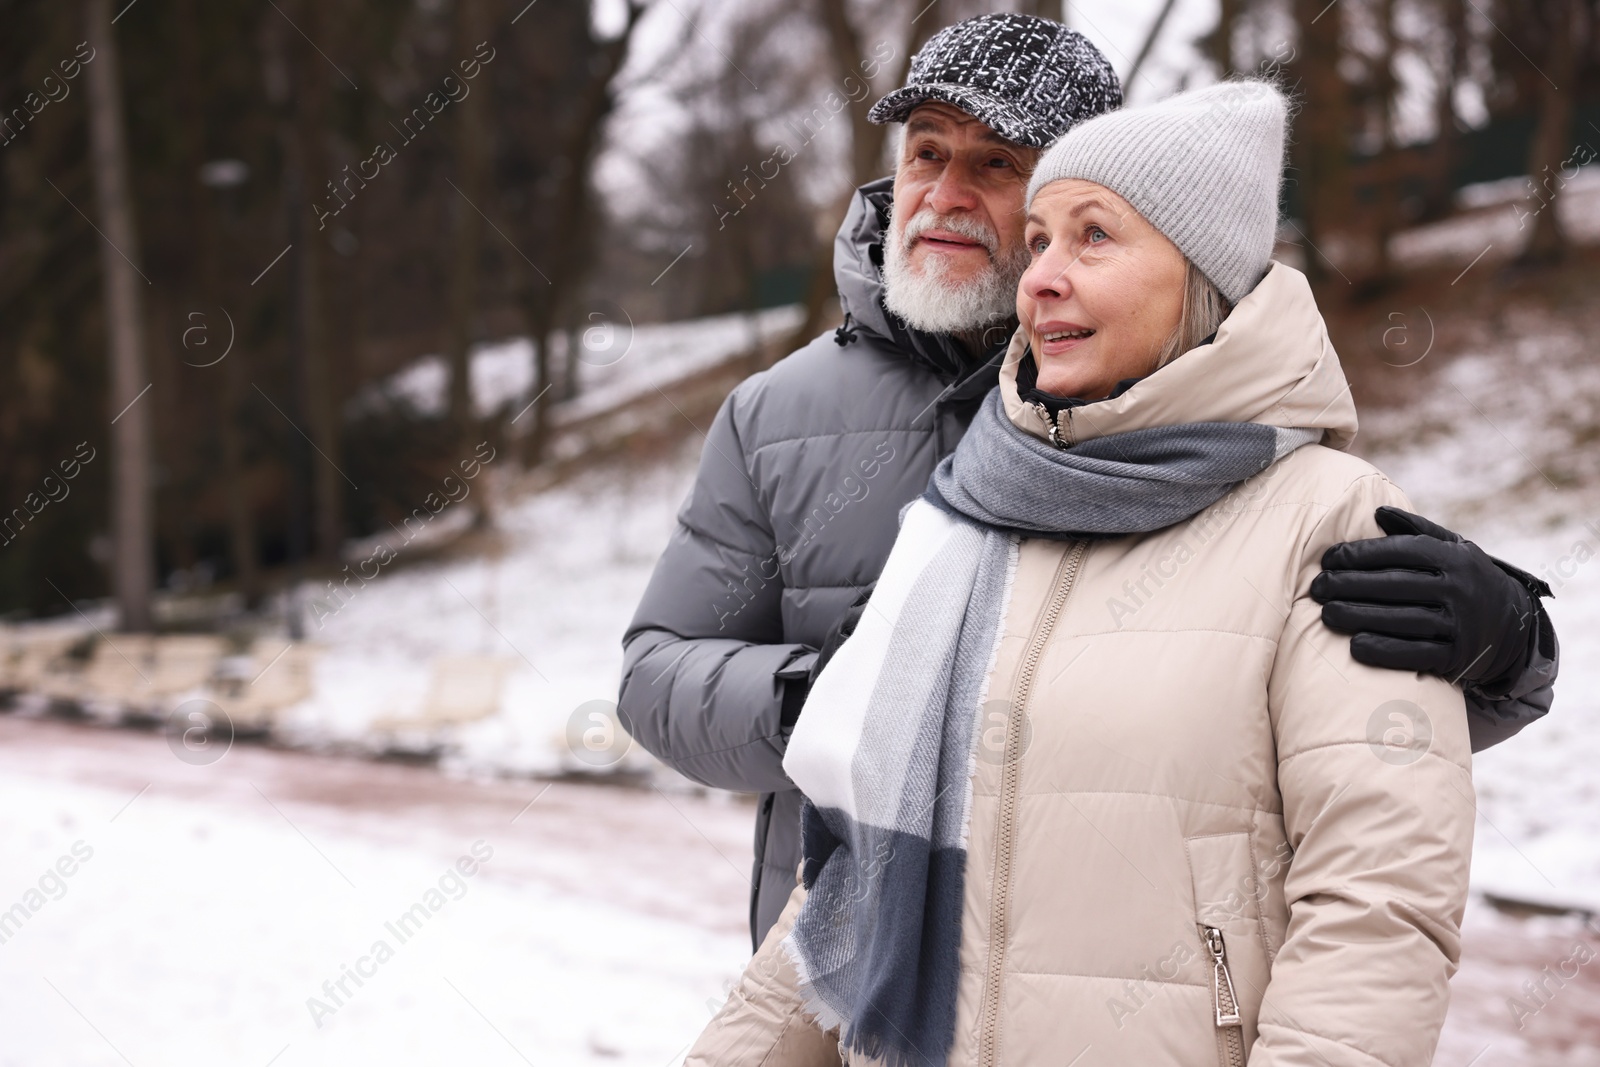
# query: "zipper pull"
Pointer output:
{"type": "Point", "coordinates": [1221, 982]}
{"type": "Point", "coordinates": [1052, 422]}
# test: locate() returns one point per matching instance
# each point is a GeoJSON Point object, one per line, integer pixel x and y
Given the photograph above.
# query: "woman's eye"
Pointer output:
{"type": "Point", "coordinates": [1096, 233]}
{"type": "Point", "coordinates": [1038, 244]}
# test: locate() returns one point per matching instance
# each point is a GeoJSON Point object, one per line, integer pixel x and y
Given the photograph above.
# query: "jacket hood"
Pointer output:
{"type": "Point", "coordinates": [857, 272]}
{"type": "Point", "coordinates": [1269, 362]}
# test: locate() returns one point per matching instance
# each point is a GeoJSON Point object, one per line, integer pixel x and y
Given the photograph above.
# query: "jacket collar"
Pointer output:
{"type": "Point", "coordinates": [1269, 362]}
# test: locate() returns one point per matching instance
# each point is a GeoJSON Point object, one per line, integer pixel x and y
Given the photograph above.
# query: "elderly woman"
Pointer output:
{"type": "Point", "coordinates": [1089, 784]}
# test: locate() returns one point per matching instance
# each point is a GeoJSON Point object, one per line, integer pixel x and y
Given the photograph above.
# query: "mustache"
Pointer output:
{"type": "Point", "coordinates": [961, 225]}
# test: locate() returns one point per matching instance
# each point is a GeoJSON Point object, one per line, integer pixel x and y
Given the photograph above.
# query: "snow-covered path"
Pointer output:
{"type": "Point", "coordinates": [603, 927]}
{"type": "Point", "coordinates": [207, 905]}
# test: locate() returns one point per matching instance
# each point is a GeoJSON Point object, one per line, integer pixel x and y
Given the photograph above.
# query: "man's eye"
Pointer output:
{"type": "Point", "coordinates": [999, 161]}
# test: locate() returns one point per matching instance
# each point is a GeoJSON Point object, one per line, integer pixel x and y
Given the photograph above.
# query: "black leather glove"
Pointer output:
{"type": "Point", "coordinates": [842, 629]}
{"type": "Point", "coordinates": [1426, 599]}
{"type": "Point", "coordinates": [796, 689]}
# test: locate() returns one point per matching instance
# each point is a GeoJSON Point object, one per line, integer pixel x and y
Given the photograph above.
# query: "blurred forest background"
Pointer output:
{"type": "Point", "coordinates": [327, 191]}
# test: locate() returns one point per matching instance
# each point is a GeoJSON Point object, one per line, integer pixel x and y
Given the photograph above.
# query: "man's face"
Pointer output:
{"type": "Point", "coordinates": [954, 251]}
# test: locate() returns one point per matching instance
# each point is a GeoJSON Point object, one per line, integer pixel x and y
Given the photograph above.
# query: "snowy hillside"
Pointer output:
{"type": "Point", "coordinates": [618, 361]}
{"type": "Point", "coordinates": [554, 606]}
{"type": "Point", "coordinates": [1502, 448]}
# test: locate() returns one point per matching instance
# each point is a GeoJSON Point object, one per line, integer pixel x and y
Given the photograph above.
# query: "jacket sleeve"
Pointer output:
{"type": "Point", "coordinates": [704, 660]}
{"type": "Point", "coordinates": [1374, 767]}
{"type": "Point", "coordinates": [1493, 717]}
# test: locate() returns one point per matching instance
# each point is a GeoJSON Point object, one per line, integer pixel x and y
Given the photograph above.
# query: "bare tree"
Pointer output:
{"type": "Point", "coordinates": [1321, 145]}
{"type": "Point", "coordinates": [867, 140]}
{"type": "Point", "coordinates": [1218, 44]}
{"type": "Point", "coordinates": [544, 298]}
{"type": "Point", "coordinates": [1451, 68]}
{"type": "Point", "coordinates": [133, 562]}
{"type": "Point", "coordinates": [1150, 39]}
{"type": "Point", "coordinates": [472, 156]}
{"type": "Point", "coordinates": [1385, 89]}
{"type": "Point", "coordinates": [225, 412]}
{"type": "Point", "coordinates": [1560, 25]}
{"type": "Point", "coordinates": [312, 101]}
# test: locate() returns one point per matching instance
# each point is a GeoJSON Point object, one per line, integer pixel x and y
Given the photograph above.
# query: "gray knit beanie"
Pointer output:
{"type": "Point", "coordinates": [1203, 167]}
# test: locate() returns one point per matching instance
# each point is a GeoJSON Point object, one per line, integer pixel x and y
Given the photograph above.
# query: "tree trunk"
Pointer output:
{"type": "Point", "coordinates": [311, 111]}
{"type": "Point", "coordinates": [538, 318]}
{"type": "Point", "coordinates": [866, 138]}
{"type": "Point", "coordinates": [1218, 44]}
{"type": "Point", "coordinates": [544, 298]}
{"type": "Point", "coordinates": [225, 414]}
{"type": "Point", "coordinates": [1439, 199]}
{"type": "Point", "coordinates": [1321, 141]}
{"type": "Point", "coordinates": [1386, 219]}
{"type": "Point", "coordinates": [1149, 45]}
{"type": "Point", "coordinates": [133, 558]}
{"type": "Point", "coordinates": [1547, 153]}
{"type": "Point", "coordinates": [867, 142]}
{"type": "Point", "coordinates": [241, 523]}
{"type": "Point", "coordinates": [471, 161]}
{"type": "Point", "coordinates": [572, 354]}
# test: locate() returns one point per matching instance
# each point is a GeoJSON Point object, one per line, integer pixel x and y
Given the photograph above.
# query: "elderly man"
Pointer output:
{"type": "Point", "coordinates": [808, 464]}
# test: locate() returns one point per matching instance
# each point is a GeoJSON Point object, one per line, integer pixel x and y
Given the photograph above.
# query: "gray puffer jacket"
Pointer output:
{"type": "Point", "coordinates": [791, 517]}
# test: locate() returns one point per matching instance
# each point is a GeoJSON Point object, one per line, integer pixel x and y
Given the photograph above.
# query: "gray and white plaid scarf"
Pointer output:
{"type": "Point", "coordinates": [886, 745]}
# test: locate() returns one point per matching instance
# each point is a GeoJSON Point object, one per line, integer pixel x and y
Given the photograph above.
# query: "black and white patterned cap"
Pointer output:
{"type": "Point", "coordinates": [1029, 79]}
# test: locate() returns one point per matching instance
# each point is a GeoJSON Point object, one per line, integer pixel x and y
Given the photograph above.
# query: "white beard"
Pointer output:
{"type": "Point", "coordinates": [933, 303]}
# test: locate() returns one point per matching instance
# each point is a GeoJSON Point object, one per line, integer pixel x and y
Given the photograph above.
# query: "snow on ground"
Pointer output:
{"type": "Point", "coordinates": [1502, 447]}
{"type": "Point", "coordinates": [554, 605]}
{"type": "Point", "coordinates": [202, 909]}
{"type": "Point", "coordinates": [182, 914]}
{"type": "Point", "coordinates": [1500, 215]}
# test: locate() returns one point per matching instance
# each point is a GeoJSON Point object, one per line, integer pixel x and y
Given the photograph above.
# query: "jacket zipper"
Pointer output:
{"type": "Point", "coordinates": [1060, 424]}
{"type": "Point", "coordinates": [1011, 773]}
{"type": "Point", "coordinates": [1228, 1020]}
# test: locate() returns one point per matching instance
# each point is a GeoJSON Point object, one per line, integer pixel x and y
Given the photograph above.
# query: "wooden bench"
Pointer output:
{"type": "Point", "coordinates": [463, 689]}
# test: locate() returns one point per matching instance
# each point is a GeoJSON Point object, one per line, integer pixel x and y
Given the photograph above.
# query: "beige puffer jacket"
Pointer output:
{"type": "Point", "coordinates": [1210, 832]}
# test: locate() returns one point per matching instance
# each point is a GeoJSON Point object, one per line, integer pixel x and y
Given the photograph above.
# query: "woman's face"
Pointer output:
{"type": "Point", "coordinates": [1103, 292]}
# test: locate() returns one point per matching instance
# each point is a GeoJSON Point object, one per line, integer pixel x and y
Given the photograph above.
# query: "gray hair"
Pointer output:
{"type": "Point", "coordinates": [1204, 308]}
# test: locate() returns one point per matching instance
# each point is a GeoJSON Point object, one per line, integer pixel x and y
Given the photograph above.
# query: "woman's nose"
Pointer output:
{"type": "Point", "coordinates": [1046, 278]}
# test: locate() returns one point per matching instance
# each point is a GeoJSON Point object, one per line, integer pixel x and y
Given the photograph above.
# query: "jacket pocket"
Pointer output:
{"type": "Point", "coordinates": [1227, 911]}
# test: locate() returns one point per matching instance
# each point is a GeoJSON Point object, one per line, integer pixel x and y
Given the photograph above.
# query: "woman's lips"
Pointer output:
{"type": "Point", "coordinates": [1056, 338]}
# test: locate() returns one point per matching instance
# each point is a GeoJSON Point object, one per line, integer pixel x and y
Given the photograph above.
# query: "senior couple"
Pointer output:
{"type": "Point", "coordinates": [1021, 599]}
